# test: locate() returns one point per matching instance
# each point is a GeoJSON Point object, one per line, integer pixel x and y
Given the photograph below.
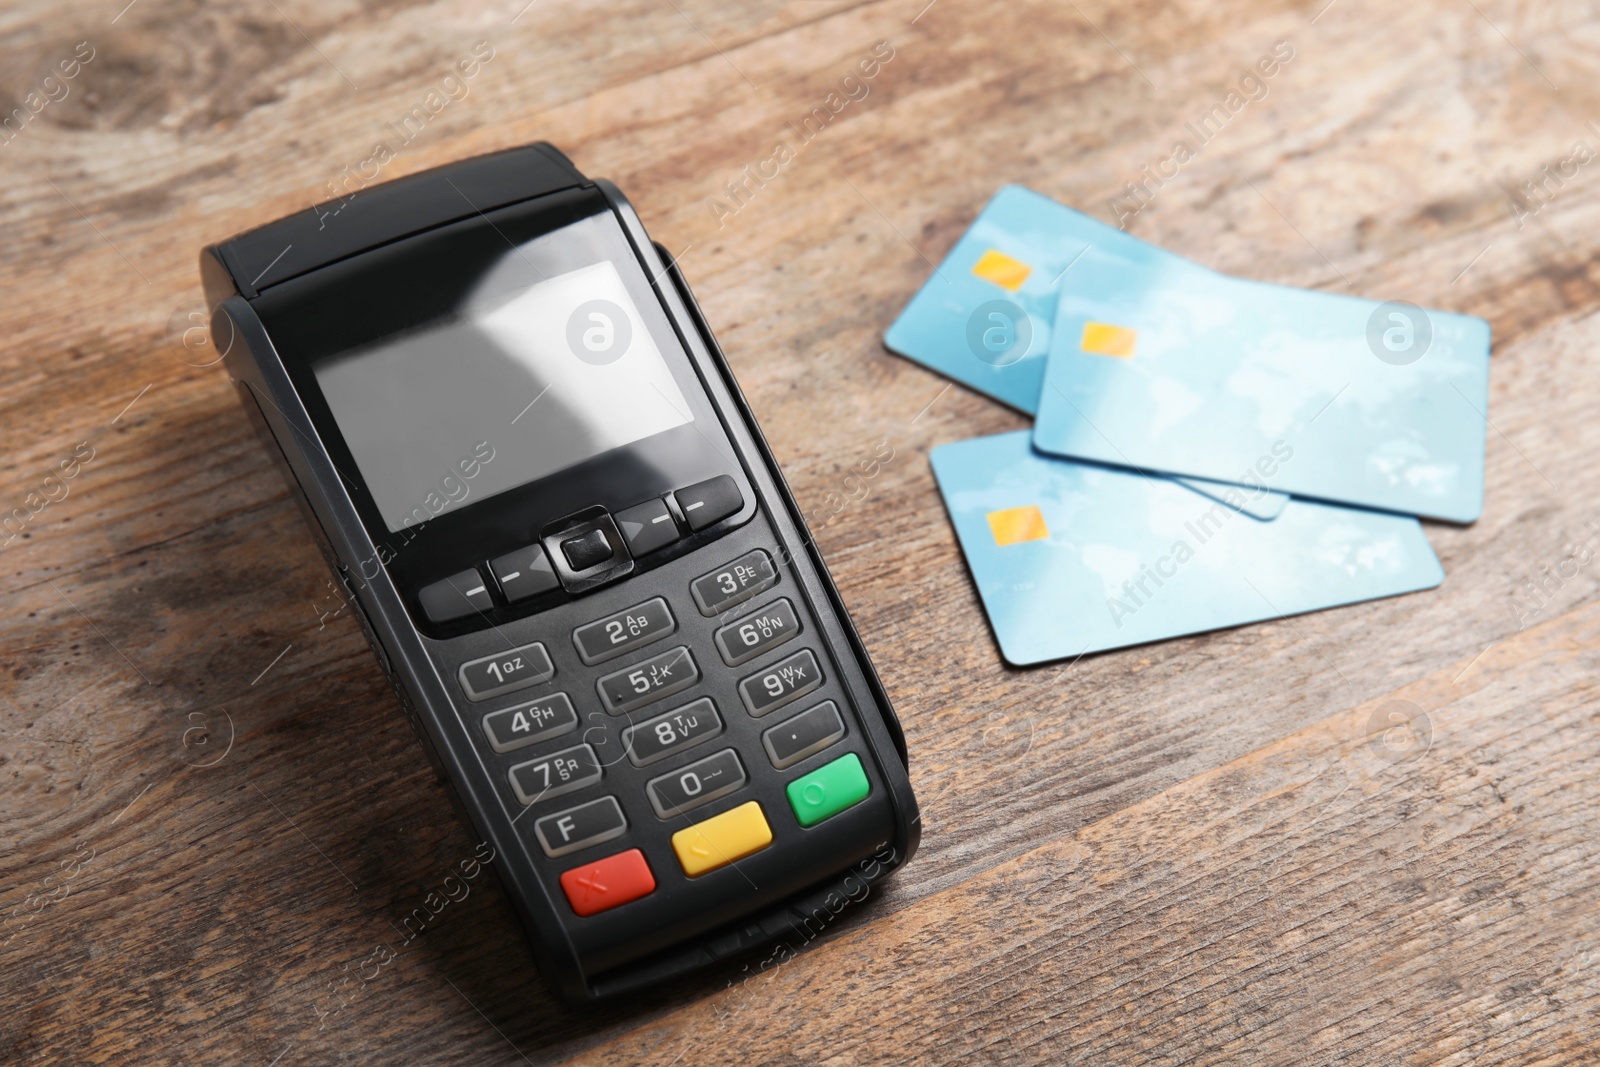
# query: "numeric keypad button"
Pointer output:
{"type": "Point", "coordinates": [804, 735]}
{"type": "Point", "coordinates": [738, 581]}
{"type": "Point", "coordinates": [645, 682]}
{"type": "Point", "coordinates": [506, 672]}
{"type": "Point", "coordinates": [576, 828]}
{"type": "Point", "coordinates": [657, 738]}
{"type": "Point", "coordinates": [624, 631]}
{"type": "Point", "coordinates": [530, 723]}
{"type": "Point", "coordinates": [701, 782]}
{"type": "Point", "coordinates": [787, 680]}
{"type": "Point", "coordinates": [748, 637]}
{"type": "Point", "coordinates": [555, 775]}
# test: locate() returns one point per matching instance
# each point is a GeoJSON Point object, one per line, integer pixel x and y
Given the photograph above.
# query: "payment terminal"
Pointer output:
{"type": "Point", "coordinates": [550, 509]}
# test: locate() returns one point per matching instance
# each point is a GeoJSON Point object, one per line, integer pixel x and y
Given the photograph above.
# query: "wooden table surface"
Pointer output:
{"type": "Point", "coordinates": [1201, 851]}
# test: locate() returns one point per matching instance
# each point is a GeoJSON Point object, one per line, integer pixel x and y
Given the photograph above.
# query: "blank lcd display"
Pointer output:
{"type": "Point", "coordinates": [527, 380]}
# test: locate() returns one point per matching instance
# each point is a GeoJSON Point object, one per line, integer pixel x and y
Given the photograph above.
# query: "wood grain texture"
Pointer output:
{"type": "Point", "coordinates": [1193, 852]}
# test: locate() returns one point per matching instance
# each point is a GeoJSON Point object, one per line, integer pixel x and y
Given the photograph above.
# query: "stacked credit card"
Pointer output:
{"type": "Point", "coordinates": [1206, 451]}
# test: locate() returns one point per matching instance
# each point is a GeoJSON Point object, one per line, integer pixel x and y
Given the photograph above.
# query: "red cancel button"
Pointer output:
{"type": "Point", "coordinates": [608, 883]}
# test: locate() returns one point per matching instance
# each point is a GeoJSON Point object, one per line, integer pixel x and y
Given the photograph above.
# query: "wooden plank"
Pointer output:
{"type": "Point", "coordinates": [156, 909]}
{"type": "Point", "coordinates": [1334, 896]}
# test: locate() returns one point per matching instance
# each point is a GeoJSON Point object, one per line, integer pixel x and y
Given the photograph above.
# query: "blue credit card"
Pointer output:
{"type": "Point", "coordinates": [1071, 558]}
{"type": "Point", "coordinates": [1380, 405]}
{"type": "Point", "coordinates": [985, 316]}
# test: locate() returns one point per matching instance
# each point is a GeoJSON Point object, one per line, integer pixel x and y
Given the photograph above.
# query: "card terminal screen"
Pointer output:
{"type": "Point", "coordinates": [533, 374]}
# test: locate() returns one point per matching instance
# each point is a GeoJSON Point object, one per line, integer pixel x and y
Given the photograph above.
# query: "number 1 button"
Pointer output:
{"type": "Point", "coordinates": [506, 672]}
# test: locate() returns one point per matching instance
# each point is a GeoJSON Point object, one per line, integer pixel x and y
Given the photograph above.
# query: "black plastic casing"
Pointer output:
{"type": "Point", "coordinates": [802, 883]}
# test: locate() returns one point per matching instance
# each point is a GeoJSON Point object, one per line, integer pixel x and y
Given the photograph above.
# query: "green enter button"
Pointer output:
{"type": "Point", "coordinates": [828, 790]}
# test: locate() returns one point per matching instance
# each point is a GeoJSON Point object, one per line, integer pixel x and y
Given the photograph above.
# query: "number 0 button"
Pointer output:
{"type": "Point", "coordinates": [699, 783]}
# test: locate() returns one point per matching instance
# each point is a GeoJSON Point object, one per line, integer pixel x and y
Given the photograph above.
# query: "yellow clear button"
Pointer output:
{"type": "Point", "coordinates": [721, 839]}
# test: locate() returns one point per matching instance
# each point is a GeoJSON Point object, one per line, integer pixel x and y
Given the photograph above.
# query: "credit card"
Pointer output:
{"type": "Point", "coordinates": [1379, 405]}
{"type": "Point", "coordinates": [1072, 557]}
{"type": "Point", "coordinates": [984, 317]}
